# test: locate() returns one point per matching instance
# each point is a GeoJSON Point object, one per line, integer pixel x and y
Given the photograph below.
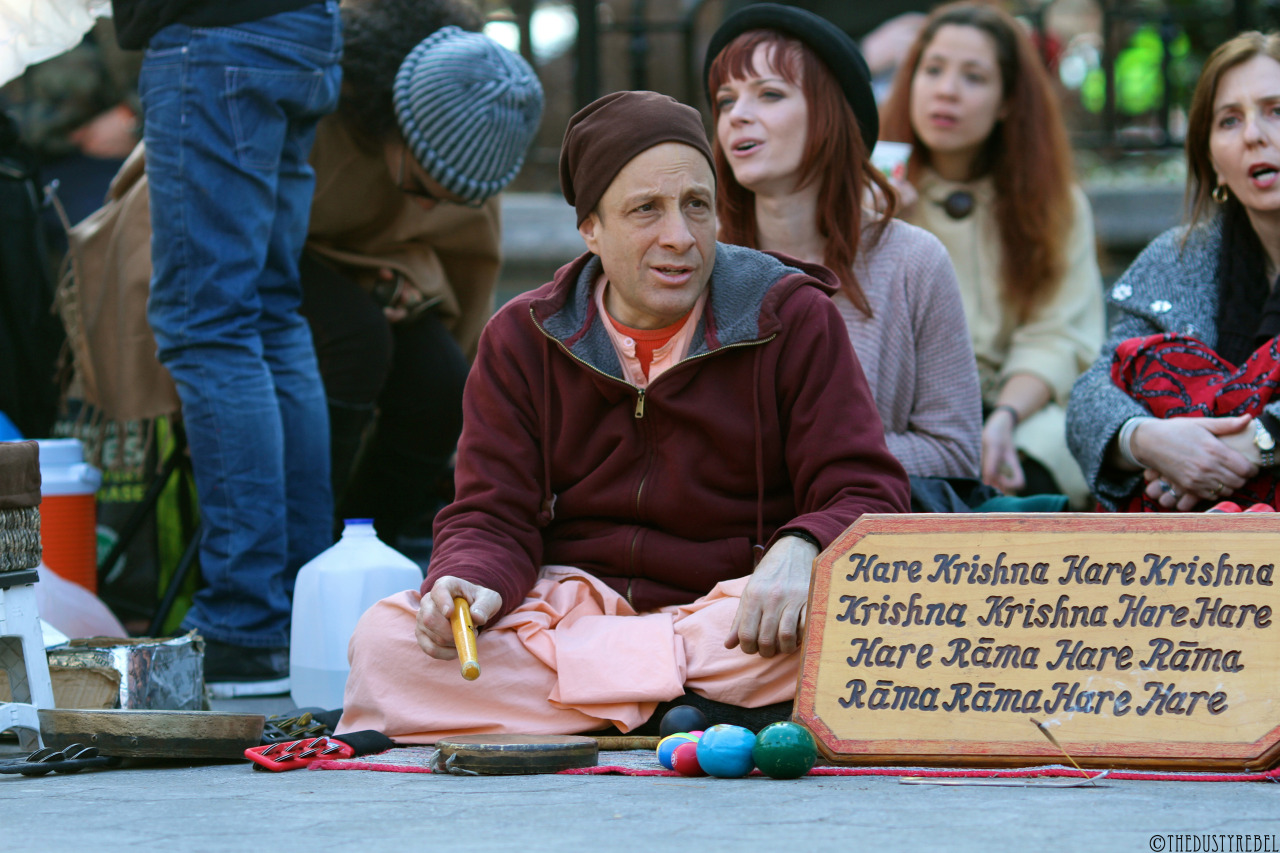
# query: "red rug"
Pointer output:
{"type": "Point", "coordinates": [420, 759]}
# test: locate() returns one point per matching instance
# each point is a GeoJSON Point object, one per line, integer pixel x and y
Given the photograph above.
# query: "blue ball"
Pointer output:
{"type": "Point", "coordinates": [668, 745]}
{"type": "Point", "coordinates": [725, 751]}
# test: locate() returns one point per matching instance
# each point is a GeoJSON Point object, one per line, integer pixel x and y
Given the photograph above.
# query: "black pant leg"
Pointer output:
{"type": "Point", "coordinates": [354, 346]}
{"type": "Point", "coordinates": [397, 481]}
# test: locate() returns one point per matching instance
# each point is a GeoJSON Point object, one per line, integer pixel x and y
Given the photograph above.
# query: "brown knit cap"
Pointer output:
{"type": "Point", "coordinates": [608, 133]}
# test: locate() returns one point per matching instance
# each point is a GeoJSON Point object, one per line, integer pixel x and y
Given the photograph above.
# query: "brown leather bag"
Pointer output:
{"type": "Point", "coordinates": [103, 302]}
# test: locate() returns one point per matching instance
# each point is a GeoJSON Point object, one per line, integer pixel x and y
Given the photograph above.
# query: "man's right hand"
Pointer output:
{"type": "Point", "coordinates": [434, 631]}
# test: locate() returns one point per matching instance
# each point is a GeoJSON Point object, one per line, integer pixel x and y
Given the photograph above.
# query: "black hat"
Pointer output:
{"type": "Point", "coordinates": [832, 45]}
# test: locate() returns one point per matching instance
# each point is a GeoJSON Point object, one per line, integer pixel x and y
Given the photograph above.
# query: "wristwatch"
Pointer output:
{"type": "Point", "coordinates": [1266, 444]}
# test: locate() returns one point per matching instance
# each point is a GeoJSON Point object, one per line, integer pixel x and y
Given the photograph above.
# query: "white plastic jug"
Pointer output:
{"type": "Point", "coordinates": [331, 594]}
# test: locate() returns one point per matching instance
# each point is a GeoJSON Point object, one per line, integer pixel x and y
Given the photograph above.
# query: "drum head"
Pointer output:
{"type": "Point", "coordinates": [515, 755]}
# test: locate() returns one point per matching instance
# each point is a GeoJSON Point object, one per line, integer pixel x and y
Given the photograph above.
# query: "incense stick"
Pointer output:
{"type": "Point", "coordinates": [1044, 730]}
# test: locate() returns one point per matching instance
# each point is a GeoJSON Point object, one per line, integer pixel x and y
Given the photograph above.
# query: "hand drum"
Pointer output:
{"type": "Point", "coordinates": [514, 755]}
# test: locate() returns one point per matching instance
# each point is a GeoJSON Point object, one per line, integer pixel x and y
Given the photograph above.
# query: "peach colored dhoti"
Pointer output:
{"type": "Point", "coordinates": [573, 657]}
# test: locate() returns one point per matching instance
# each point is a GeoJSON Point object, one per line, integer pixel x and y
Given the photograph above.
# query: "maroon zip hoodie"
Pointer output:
{"type": "Point", "coordinates": [767, 425]}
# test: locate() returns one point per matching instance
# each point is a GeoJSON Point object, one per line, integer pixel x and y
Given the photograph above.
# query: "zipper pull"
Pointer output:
{"type": "Point", "coordinates": [640, 404]}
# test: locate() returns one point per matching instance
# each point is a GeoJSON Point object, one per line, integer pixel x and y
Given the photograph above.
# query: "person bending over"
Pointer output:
{"type": "Point", "coordinates": [404, 244]}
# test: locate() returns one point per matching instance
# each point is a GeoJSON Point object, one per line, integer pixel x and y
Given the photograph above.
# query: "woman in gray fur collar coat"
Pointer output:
{"type": "Point", "coordinates": [1212, 280]}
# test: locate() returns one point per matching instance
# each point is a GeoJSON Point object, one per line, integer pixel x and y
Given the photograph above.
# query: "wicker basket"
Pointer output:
{"type": "Point", "coordinates": [19, 539]}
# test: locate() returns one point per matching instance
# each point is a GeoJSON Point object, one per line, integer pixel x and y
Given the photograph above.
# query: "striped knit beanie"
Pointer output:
{"type": "Point", "coordinates": [468, 109]}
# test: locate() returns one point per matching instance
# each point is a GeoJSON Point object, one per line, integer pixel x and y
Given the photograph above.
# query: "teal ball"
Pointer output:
{"type": "Point", "coordinates": [725, 751]}
{"type": "Point", "coordinates": [785, 751]}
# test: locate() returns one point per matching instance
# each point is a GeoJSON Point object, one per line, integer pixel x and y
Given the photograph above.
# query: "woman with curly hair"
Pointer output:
{"type": "Point", "coordinates": [991, 166]}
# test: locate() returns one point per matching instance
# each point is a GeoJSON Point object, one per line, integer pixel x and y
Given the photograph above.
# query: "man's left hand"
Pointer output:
{"type": "Point", "coordinates": [770, 618]}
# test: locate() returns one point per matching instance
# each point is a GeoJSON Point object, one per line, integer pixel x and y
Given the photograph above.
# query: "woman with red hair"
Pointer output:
{"type": "Point", "coordinates": [992, 168]}
{"type": "Point", "coordinates": [795, 122]}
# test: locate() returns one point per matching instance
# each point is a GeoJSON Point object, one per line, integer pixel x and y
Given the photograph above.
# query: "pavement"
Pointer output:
{"type": "Point", "coordinates": [229, 807]}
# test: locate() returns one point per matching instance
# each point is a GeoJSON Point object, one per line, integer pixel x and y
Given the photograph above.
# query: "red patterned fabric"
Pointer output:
{"type": "Point", "coordinates": [1174, 376]}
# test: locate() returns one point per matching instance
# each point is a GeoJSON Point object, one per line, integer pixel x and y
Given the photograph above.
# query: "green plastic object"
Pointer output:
{"type": "Point", "coordinates": [785, 751]}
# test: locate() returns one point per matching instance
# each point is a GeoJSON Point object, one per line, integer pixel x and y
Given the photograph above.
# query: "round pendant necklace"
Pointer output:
{"type": "Point", "coordinates": [958, 204]}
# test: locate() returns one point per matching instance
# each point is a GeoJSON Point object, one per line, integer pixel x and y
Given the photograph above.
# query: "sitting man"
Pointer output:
{"type": "Point", "coordinates": [636, 434]}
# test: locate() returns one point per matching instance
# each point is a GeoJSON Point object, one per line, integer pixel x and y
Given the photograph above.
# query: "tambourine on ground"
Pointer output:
{"type": "Point", "coordinates": [514, 754]}
{"type": "Point", "coordinates": [1139, 641]}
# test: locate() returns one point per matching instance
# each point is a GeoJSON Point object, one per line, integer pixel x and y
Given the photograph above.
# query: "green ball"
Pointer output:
{"type": "Point", "coordinates": [784, 751]}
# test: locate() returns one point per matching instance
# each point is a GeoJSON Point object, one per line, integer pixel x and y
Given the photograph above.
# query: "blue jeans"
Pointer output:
{"type": "Point", "coordinates": [230, 117]}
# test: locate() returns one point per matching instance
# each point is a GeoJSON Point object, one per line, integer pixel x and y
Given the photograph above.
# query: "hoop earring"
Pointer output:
{"type": "Point", "coordinates": [1219, 194]}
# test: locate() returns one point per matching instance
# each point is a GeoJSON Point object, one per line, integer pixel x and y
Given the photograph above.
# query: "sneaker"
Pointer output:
{"type": "Point", "coordinates": [233, 671]}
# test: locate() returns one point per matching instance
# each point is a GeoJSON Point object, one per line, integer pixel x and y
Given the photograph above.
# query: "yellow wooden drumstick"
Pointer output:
{"type": "Point", "coordinates": [464, 639]}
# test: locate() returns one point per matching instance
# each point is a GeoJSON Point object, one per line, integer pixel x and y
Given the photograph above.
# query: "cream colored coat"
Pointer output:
{"type": "Point", "coordinates": [1056, 343]}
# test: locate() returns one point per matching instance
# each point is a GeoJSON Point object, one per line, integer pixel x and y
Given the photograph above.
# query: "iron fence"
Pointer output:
{"type": "Point", "coordinates": [1125, 83]}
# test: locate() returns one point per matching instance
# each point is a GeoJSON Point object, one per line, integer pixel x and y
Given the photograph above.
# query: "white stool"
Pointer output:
{"type": "Point", "coordinates": [23, 658]}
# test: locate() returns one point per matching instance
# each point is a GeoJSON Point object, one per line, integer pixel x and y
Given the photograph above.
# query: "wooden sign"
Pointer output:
{"type": "Point", "coordinates": [1139, 640]}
